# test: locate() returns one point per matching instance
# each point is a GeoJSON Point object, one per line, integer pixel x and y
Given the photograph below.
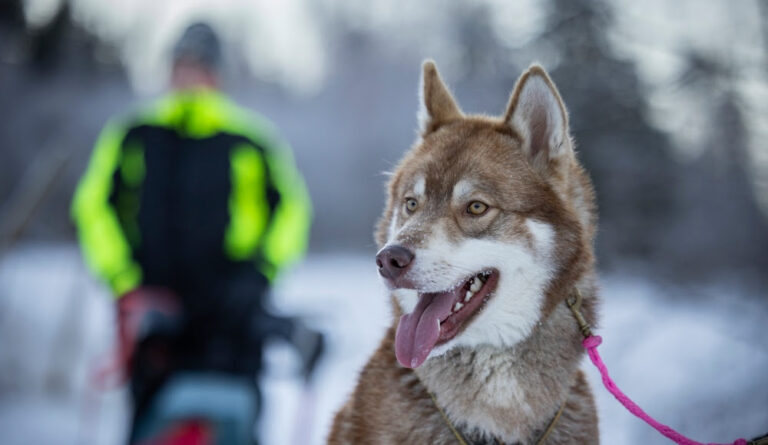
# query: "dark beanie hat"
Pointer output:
{"type": "Point", "coordinates": [200, 44]}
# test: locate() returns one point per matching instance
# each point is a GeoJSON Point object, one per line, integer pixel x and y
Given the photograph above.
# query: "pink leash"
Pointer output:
{"type": "Point", "coordinates": [590, 343]}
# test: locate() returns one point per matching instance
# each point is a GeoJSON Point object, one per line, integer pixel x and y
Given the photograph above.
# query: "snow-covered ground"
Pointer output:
{"type": "Point", "coordinates": [696, 358]}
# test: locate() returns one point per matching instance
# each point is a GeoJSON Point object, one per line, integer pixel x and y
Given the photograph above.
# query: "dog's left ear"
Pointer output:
{"type": "Point", "coordinates": [437, 104]}
{"type": "Point", "coordinates": [537, 113]}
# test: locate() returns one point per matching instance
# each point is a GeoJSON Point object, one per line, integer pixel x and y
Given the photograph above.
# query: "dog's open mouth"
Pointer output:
{"type": "Point", "coordinates": [440, 316]}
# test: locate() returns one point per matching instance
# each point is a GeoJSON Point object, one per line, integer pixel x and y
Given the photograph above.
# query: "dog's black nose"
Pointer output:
{"type": "Point", "coordinates": [393, 261]}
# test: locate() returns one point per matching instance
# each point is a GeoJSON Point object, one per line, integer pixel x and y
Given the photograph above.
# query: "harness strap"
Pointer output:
{"type": "Point", "coordinates": [463, 441]}
{"type": "Point", "coordinates": [459, 437]}
{"type": "Point", "coordinates": [551, 426]}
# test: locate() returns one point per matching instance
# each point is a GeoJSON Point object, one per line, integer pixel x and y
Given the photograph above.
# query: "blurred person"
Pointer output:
{"type": "Point", "coordinates": [192, 206]}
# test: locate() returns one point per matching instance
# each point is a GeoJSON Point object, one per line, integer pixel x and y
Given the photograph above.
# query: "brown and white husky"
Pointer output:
{"type": "Point", "coordinates": [488, 228]}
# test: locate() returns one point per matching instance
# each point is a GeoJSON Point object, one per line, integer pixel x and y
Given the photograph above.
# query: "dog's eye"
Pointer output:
{"type": "Point", "coordinates": [477, 208]}
{"type": "Point", "coordinates": [411, 205]}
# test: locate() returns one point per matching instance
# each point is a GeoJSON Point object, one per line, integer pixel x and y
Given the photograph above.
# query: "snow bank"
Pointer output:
{"type": "Point", "coordinates": [694, 358]}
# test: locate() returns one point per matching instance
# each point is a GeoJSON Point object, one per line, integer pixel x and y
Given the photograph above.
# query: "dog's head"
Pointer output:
{"type": "Point", "coordinates": [486, 221]}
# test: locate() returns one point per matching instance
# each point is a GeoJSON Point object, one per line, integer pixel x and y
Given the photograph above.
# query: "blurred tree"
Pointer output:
{"type": "Point", "coordinates": [720, 226]}
{"type": "Point", "coordinates": [53, 88]}
{"type": "Point", "coordinates": [488, 68]}
{"type": "Point", "coordinates": [629, 160]}
{"type": "Point", "coordinates": [480, 51]}
{"type": "Point", "coordinates": [11, 19]}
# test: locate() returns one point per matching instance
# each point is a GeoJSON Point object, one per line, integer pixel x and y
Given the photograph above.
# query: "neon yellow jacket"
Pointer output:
{"type": "Point", "coordinates": [267, 205]}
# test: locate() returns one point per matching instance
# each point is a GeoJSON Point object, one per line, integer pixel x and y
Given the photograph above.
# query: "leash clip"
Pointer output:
{"type": "Point", "coordinates": [574, 303]}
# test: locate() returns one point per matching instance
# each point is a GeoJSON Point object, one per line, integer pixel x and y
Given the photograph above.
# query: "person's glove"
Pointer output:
{"type": "Point", "coordinates": [133, 309]}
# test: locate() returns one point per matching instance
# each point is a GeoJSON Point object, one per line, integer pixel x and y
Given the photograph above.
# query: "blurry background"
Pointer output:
{"type": "Point", "coordinates": [669, 108]}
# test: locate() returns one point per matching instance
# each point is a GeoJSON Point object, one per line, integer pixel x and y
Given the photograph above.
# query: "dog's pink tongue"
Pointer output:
{"type": "Point", "coordinates": [418, 331]}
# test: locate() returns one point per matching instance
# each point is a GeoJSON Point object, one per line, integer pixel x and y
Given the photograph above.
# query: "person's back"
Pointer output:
{"type": "Point", "coordinates": [198, 191]}
{"type": "Point", "coordinates": [195, 200]}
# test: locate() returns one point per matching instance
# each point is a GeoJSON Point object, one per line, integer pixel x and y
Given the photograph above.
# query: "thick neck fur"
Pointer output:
{"type": "Point", "coordinates": [511, 393]}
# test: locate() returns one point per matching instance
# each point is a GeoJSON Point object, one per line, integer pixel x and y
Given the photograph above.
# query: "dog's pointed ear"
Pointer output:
{"type": "Point", "coordinates": [537, 113]}
{"type": "Point", "coordinates": [437, 104]}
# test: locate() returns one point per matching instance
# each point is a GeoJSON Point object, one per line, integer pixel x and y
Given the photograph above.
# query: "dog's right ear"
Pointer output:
{"type": "Point", "coordinates": [437, 104]}
{"type": "Point", "coordinates": [538, 114]}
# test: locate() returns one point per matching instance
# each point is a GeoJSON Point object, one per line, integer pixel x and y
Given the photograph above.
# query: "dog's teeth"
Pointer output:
{"type": "Point", "coordinates": [457, 306]}
{"type": "Point", "coordinates": [476, 285]}
{"type": "Point", "coordinates": [468, 296]}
